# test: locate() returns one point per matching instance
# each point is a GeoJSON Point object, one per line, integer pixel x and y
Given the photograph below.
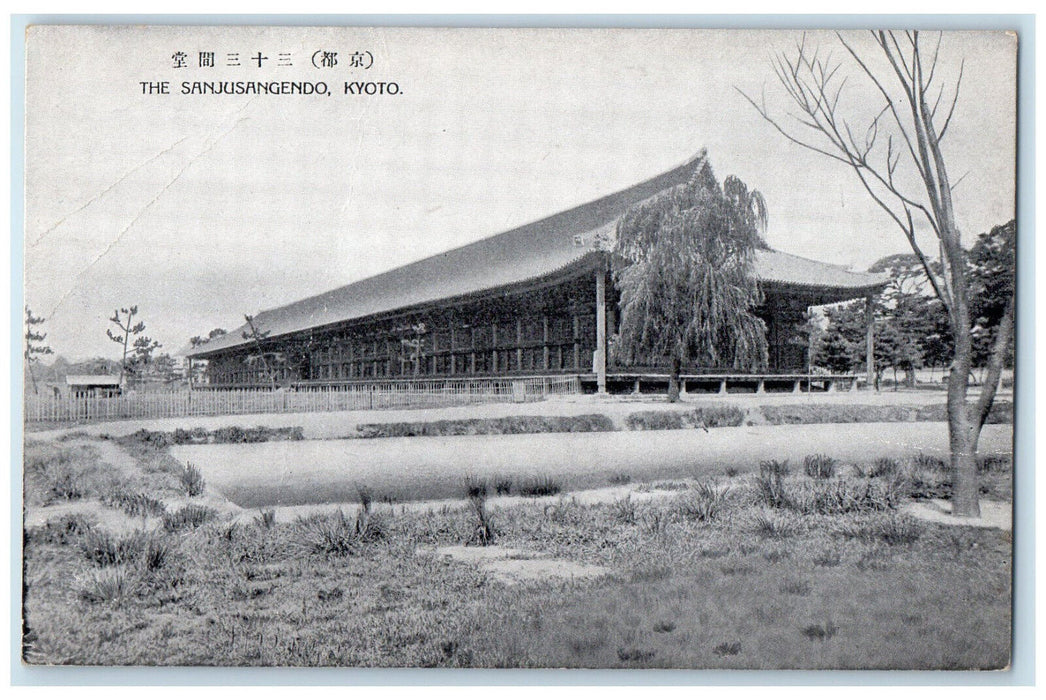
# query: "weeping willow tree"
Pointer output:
{"type": "Point", "coordinates": [683, 264]}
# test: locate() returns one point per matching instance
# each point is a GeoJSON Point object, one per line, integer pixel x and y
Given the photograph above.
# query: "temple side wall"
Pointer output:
{"type": "Point", "coordinates": [539, 331]}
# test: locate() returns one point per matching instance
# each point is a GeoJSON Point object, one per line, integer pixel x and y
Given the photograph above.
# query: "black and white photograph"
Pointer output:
{"type": "Point", "coordinates": [518, 348]}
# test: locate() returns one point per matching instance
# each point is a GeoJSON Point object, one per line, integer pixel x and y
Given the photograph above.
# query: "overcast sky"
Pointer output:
{"type": "Point", "coordinates": [202, 208]}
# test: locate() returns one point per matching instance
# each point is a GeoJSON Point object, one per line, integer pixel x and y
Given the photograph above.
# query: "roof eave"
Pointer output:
{"type": "Point", "coordinates": [583, 262]}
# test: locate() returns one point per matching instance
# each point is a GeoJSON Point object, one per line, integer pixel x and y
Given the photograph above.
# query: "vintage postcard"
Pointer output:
{"type": "Point", "coordinates": [518, 348]}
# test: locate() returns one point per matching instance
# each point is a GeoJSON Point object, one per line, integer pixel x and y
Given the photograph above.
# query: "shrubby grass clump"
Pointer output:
{"type": "Point", "coordinates": [236, 434]}
{"type": "Point", "coordinates": [194, 436]}
{"type": "Point", "coordinates": [819, 466]}
{"type": "Point", "coordinates": [776, 524]}
{"type": "Point", "coordinates": [159, 439]}
{"type": "Point", "coordinates": [836, 413]}
{"type": "Point", "coordinates": [149, 438]}
{"type": "Point", "coordinates": [770, 488]}
{"type": "Point", "coordinates": [188, 517]}
{"type": "Point", "coordinates": [717, 416]}
{"type": "Point", "coordinates": [933, 462]}
{"type": "Point", "coordinates": [61, 530]}
{"type": "Point", "coordinates": [823, 492]}
{"type": "Point", "coordinates": [1001, 412]}
{"type": "Point", "coordinates": [884, 467]}
{"type": "Point", "coordinates": [109, 585]}
{"type": "Point", "coordinates": [134, 503]}
{"type": "Point", "coordinates": [105, 549]}
{"type": "Point", "coordinates": [509, 425]}
{"type": "Point", "coordinates": [52, 474]}
{"type": "Point", "coordinates": [702, 503]}
{"type": "Point", "coordinates": [544, 485]}
{"type": "Point", "coordinates": [994, 463]}
{"type": "Point", "coordinates": [623, 510]}
{"type": "Point", "coordinates": [891, 528]}
{"type": "Point", "coordinates": [335, 534]}
{"type": "Point", "coordinates": [926, 477]}
{"type": "Point", "coordinates": [484, 532]}
{"type": "Point", "coordinates": [266, 519]}
{"type": "Point", "coordinates": [845, 495]}
{"type": "Point", "coordinates": [701, 417]}
{"type": "Point", "coordinates": [191, 480]}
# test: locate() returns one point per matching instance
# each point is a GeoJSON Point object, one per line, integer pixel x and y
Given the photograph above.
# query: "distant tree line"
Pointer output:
{"type": "Point", "coordinates": [911, 324]}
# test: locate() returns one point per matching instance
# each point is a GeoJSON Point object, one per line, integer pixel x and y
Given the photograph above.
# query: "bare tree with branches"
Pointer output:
{"type": "Point", "coordinates": [897, 157]}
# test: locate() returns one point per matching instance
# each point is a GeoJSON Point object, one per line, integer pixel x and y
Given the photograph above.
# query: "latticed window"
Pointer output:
{"type": "Point", "coordinates": [562, 329]}
{"type": "Point", "coordinates": [587, 328]}
{"type": "Point", "coordinates": [462, 363]}
{"type": "Point", "coordinates": [481, 336]}
{"type": "Point", "coordinates": [462, 337]}
{"type": "Point", "coordinates": [507, 333]}
{"type": "Point", "coordinates": [533, 330]}
{"type": "Point", "coordinates": [566, 357]}
{"type": "Point", "coordinates": [441, 364]}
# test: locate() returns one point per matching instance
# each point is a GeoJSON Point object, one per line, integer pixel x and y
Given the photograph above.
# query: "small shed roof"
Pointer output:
{"type": "Point", "coordinates": [92, 380]}
{"type": "Point", "coordinates": [521, 254]}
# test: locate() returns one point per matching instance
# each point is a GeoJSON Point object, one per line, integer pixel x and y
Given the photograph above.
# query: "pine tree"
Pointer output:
{"type": "Point", "coordinates": [34, 344]}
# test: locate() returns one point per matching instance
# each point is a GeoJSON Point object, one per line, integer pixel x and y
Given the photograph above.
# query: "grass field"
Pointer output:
{"type": "Point", "coordinates": [804, 565]}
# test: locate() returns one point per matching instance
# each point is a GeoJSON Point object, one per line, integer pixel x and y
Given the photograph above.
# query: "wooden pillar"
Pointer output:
{"type": "Point", "coordinates": [472, 351]}
{"type": "Point", "coordinates": [453, 358]}
{"type": "Point", "coordinates": [494, 345]}
{"type": "Point", "coordinates": [519, 343]}
{"type": "Point", "coordinates": [577, 347]}
{"type": "Point", "coordinates": [189, 373]}
{"type": "Point", "coordinates": [544, 344]}
{"type": "Point", "coordinates": [601, 331]}
{"type": "Point", "coordinates": [869, 340]}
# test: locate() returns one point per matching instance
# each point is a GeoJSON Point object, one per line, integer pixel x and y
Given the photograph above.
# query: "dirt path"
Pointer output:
{"type": "Point", "coordinates": [407, 469]}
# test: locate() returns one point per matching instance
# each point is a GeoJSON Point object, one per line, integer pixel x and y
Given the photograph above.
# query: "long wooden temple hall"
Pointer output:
{"type": "Point", "coordinates": [534, 301]}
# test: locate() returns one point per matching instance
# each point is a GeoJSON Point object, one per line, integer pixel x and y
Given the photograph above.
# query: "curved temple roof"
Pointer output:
{"type": "Point", "coordinates": [528, 252]}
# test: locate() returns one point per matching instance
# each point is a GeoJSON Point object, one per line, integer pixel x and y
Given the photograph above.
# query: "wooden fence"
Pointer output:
{"type": "Point", "coordinates": [375, 395]}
